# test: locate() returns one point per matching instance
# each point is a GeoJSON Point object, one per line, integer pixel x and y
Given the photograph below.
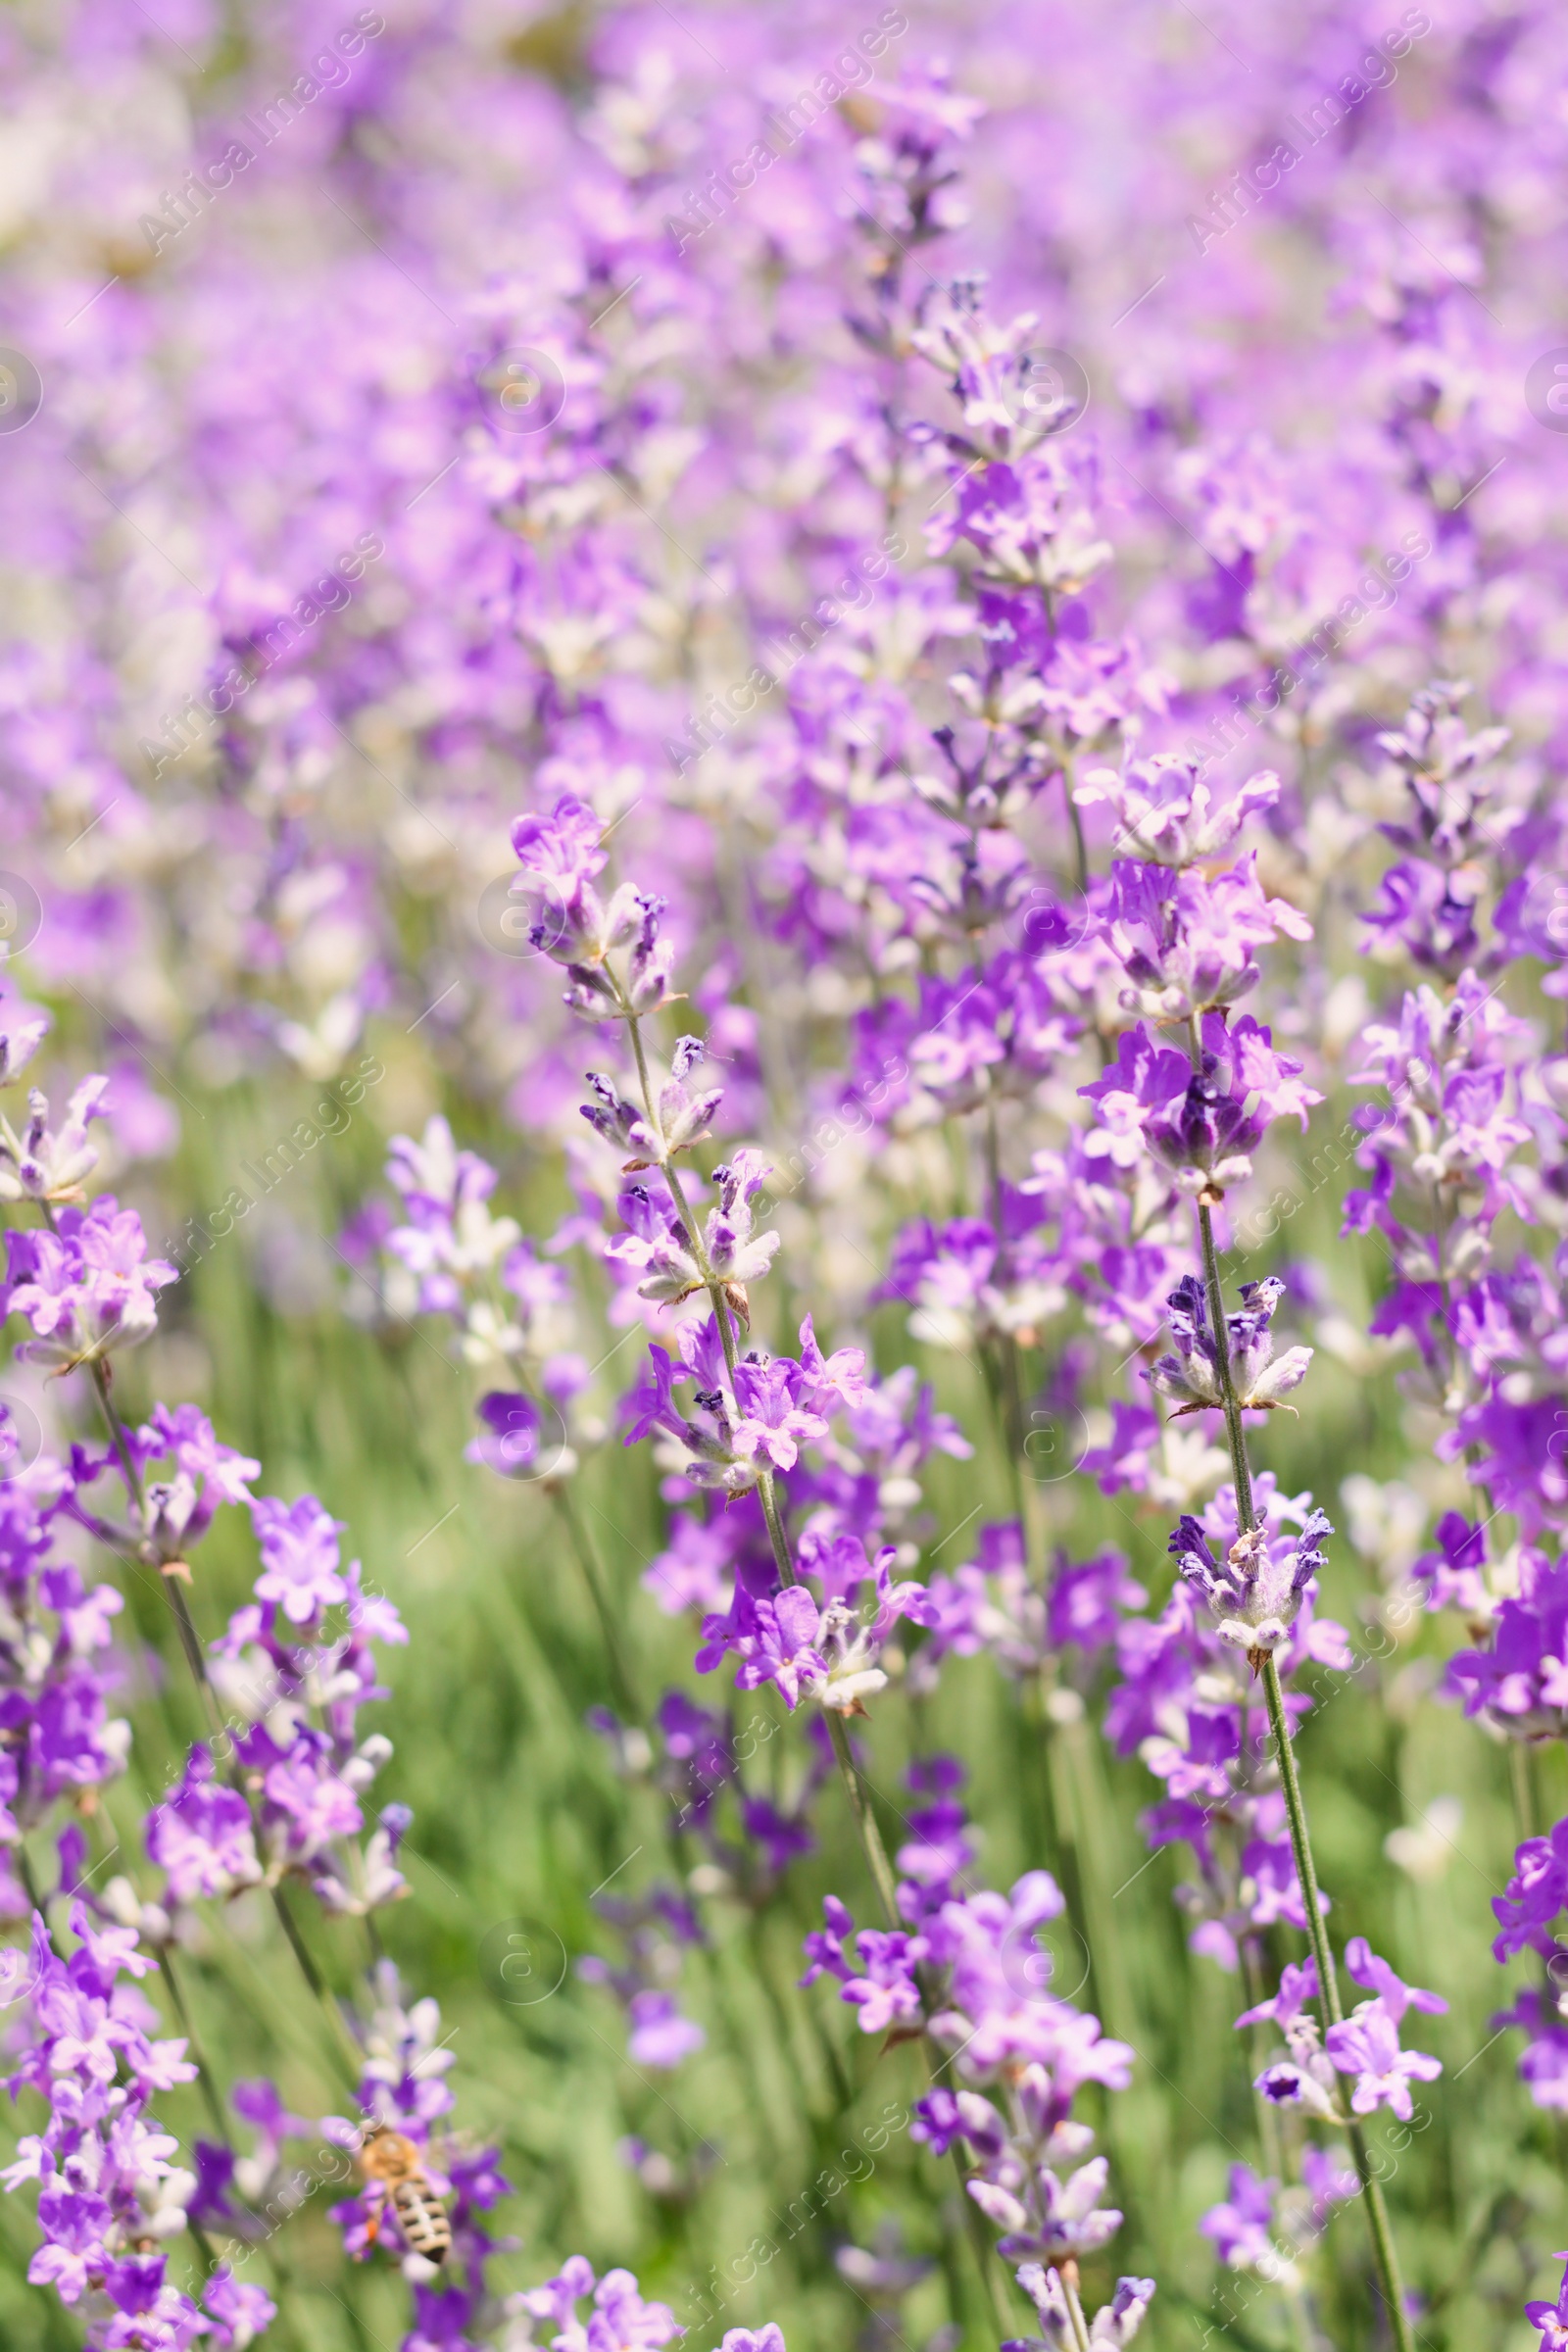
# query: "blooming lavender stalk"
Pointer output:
{"type": "Point", "coordinates": [288, 1801]}
{"type": "Point", "coordinates": [1266, 1608]}
{"type": "Point", "coordinates": [559, 857]}
{"type": "Point", "coordinates": [1186, 939]}
{"type": "Point", "coordinates": [109, 2193]}
{"type": "Point", "coordinates": [966, 1969]}
{"type": "Point", "coordinates": [86, 1286]}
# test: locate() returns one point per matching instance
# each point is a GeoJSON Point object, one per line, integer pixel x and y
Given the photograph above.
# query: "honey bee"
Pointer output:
{"type": "Point", "coordinates": [391, 2163]}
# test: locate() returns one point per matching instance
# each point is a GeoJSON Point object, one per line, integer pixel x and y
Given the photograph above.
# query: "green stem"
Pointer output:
{"type": "Point", "coordinates": [1080, 852]}
{"type": "Point", "coordinates": [1522, 1783]}
{"type": "Point", "coordinates": [876, 1853]}
{"type": "Point", "coordinates": [203, 2244]}
{"type": "Point", "coordinates": [1068, 2274]}
{"type": "Point", "coordinates": [1383, 2245]}
{"type": "Point", "coordinates": [215, 2105]}
{"type": "Point", "coordinates": [190, 1643]}
{"type": "Point", "coordinates": [344, 2050]}
{"type": "Point", "coordinates": [593, 1578]}
{"type": "Point", "coordinates": [24, 1862]}
{"type": "Point", "coordinates": [1245, 1516]}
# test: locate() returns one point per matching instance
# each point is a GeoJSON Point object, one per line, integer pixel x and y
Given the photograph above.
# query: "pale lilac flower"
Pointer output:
{"type": "Point", "coordinates": [1188, 942]}
{"type": "Point", "coordinates": [1240, 2231]}
{"type": "Point", "coordinates": [202, 1835]}
{"type": "Point", "coordinates": [1112, 2329]}
{"type": "Point", "coordinates": [1329, 2180]}
{"type": "Point", "coordinates": [88, 1288]}
{"type": "Point", "coordinates": [22, 1032]}
{"type": "Point", "coordinates": [44, 1165]}
{"type": "Point", "coordinates": [620, 2320]}
{"type": "Point", "coordinates": [1393, 1995]}
{"type": "Point", "coordinates": [661, 2037]}
{"type": "Point", "coordinates": [300, 1558]}
{"type": "Point", "coordinates": [1367, 2045]}
{"type": "Point", "coordinates": [239, 2311]}
{"type": "Point", "coordinates": [1166, 812]}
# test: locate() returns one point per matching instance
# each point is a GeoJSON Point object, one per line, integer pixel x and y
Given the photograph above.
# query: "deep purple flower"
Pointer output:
{"type": "Point", "coordinates": [1552, 2317]}
{"type": "Point", "coordinates": [1535, 1894]}
{"type": "Point", "coordinates": [510, 1444]}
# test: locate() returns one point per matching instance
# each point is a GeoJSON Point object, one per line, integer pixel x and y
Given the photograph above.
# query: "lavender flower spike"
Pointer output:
{"type": "Point", "coordinates": [1166, 814]}
{"type": "Point", "coordinates": [1114, 2324]}
{"type": "Point", "coordinates": [1261, 1380]}
{"type": "Point", "coordinates": [1258, 1592]}
{"type": "Point", "coordinates": [49, 1164]}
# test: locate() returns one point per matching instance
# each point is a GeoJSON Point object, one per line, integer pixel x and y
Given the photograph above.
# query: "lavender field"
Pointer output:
{"type": "Point", "coordinates": [784, 1421]}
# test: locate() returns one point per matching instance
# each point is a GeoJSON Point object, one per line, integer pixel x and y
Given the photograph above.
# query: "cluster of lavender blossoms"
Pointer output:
{"type": "Point", "coordinates": [1002, 657]}
{"type": "Point", "coordinates": [967, 1971]}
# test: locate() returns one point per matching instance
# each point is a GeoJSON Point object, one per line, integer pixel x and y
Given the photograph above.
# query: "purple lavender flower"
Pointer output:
{"type": "Point", "coordinates": [1114, 2327]}
{"type": "Point", "coordinates": [1520, 1682]}
{"type": "Point", "coordinates": [202, 1835]}
{"type": "Point", "coordinates": [511, 1443]}
{"type": "Point", "coordinates": [1552, 2317]}
{"type": "Point", "coordinates": [1240, 2231]}
{"type": "Point", "coordinates": [1367, 2045]}
{"type": "Point", "coordinates": [300, 1558]}
{"type": "Point", "coordinates": [1535, 1894]}
{"type": "Point", "coordinates": [621, 2321]}
{"type": "Point", "coordinates": [86, 1287]}
{"type": "Point", "coordinates": [1167, 813]}
{"type": "Point", "coordinates": [1395, 1997]}
{"type": "Point", "coordinates": [41, 1164]}
{"type": "Point", "coordinates": [1188, 942]}
{"type": "Point", "coordinates": [744, 1423]}
{"type": "Point", "coordinates": [55, 1677]}
{"type": "Point", "coordinates": [1088, 1600]}
{"type": "Point", "coordinates": [1202, 1125]}
{"type": "Point", "coordinates": [239, 2312]}
{"type": "Point", "coordinates": [1258, 1592]}
{"type": "Point", "coordinates": [1192, 1377]}
{"type": "Point", "coordinates": [1329, 2180]}
{"type": "Point", "coordinates": [21, 1032]}
{"type": "Point", "coordinates": [108, 2188]}
{"type": "Point", "coordinates": [560, 856]}
{"type": "Point", "coordinates": [828, 1653]}
{"type": "Point", "coordinates": [683, 1113]}
{"type": "Point", "coordinates": [660, 2036]}
{"type": "Point", "coordinates": [295, 1682]}
{"type": "Point", "coordinates": [1455, 1573]}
